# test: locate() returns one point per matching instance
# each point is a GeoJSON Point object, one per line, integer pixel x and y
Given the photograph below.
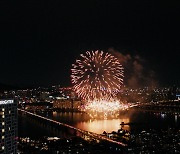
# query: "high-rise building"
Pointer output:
{"type": "Point", "coordinates": [8, 126]}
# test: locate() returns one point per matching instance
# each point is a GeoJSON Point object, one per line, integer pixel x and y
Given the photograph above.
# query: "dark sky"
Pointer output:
{"type": "Point", "coordinates": [40, 39]}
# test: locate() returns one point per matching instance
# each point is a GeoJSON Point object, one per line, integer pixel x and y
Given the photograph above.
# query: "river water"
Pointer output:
{"type": "Point", "coordinates": [138, 120]}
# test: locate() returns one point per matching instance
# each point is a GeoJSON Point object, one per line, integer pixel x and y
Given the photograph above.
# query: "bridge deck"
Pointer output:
{"type": "Point", "coordinates": [91, 134]}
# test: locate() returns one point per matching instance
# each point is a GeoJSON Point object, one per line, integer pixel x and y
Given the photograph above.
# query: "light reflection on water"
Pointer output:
{"type": "Point", "coordinates": [98, 126]}
{"type": "Point", "coordinates": [85, 122]}
{"type": "Point", "coordinates": [139, 120]}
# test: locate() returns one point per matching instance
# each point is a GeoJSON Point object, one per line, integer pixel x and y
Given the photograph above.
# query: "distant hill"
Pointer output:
{"type": "Point", "coordinates": [7, 87]}
{"type": "Point", "coordinates": [11, 87]}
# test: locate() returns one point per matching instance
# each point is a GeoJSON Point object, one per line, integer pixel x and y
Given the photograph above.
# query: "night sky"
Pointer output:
{"type": "Point", "coordinates": [39, 40]}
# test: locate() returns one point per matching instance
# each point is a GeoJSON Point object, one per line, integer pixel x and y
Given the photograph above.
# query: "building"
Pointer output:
{"type": "Point", "coordinates": [178, 96]}
{"type": "Point", "coordinates": [8, 126]}
{"type": "Point", "coordinates": [37, 106]}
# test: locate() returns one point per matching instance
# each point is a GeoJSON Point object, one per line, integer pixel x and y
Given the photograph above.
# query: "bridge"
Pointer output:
{"type": "Point", "coordinates": [87, 133]}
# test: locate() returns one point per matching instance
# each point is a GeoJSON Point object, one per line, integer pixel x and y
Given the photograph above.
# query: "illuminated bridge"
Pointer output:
{"type": "Point", "coordinates": [87, 133]}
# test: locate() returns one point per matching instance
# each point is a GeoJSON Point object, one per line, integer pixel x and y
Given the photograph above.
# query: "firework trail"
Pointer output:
{"type": "Point", "coordinates": [97, 76]}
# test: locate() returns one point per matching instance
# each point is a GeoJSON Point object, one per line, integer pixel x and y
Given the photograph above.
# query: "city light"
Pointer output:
{"type": "Point", "coordinates": [6, 102]}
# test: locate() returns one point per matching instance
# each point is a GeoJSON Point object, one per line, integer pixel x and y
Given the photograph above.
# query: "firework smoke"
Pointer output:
{"type": "Point", "coordinates": [137, 75]}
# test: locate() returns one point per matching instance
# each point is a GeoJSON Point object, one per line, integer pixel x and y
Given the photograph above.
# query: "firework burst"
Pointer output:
{"type": "Point", "coordinates": [97, 76]}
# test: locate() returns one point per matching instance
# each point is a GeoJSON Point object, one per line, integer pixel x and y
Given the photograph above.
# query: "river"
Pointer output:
{"type": "Point", "coordinates": [138, 120]}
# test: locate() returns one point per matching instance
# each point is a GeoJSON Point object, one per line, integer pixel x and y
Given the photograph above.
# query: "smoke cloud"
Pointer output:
{"type": "Point", "coordinates": [136, 73]}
